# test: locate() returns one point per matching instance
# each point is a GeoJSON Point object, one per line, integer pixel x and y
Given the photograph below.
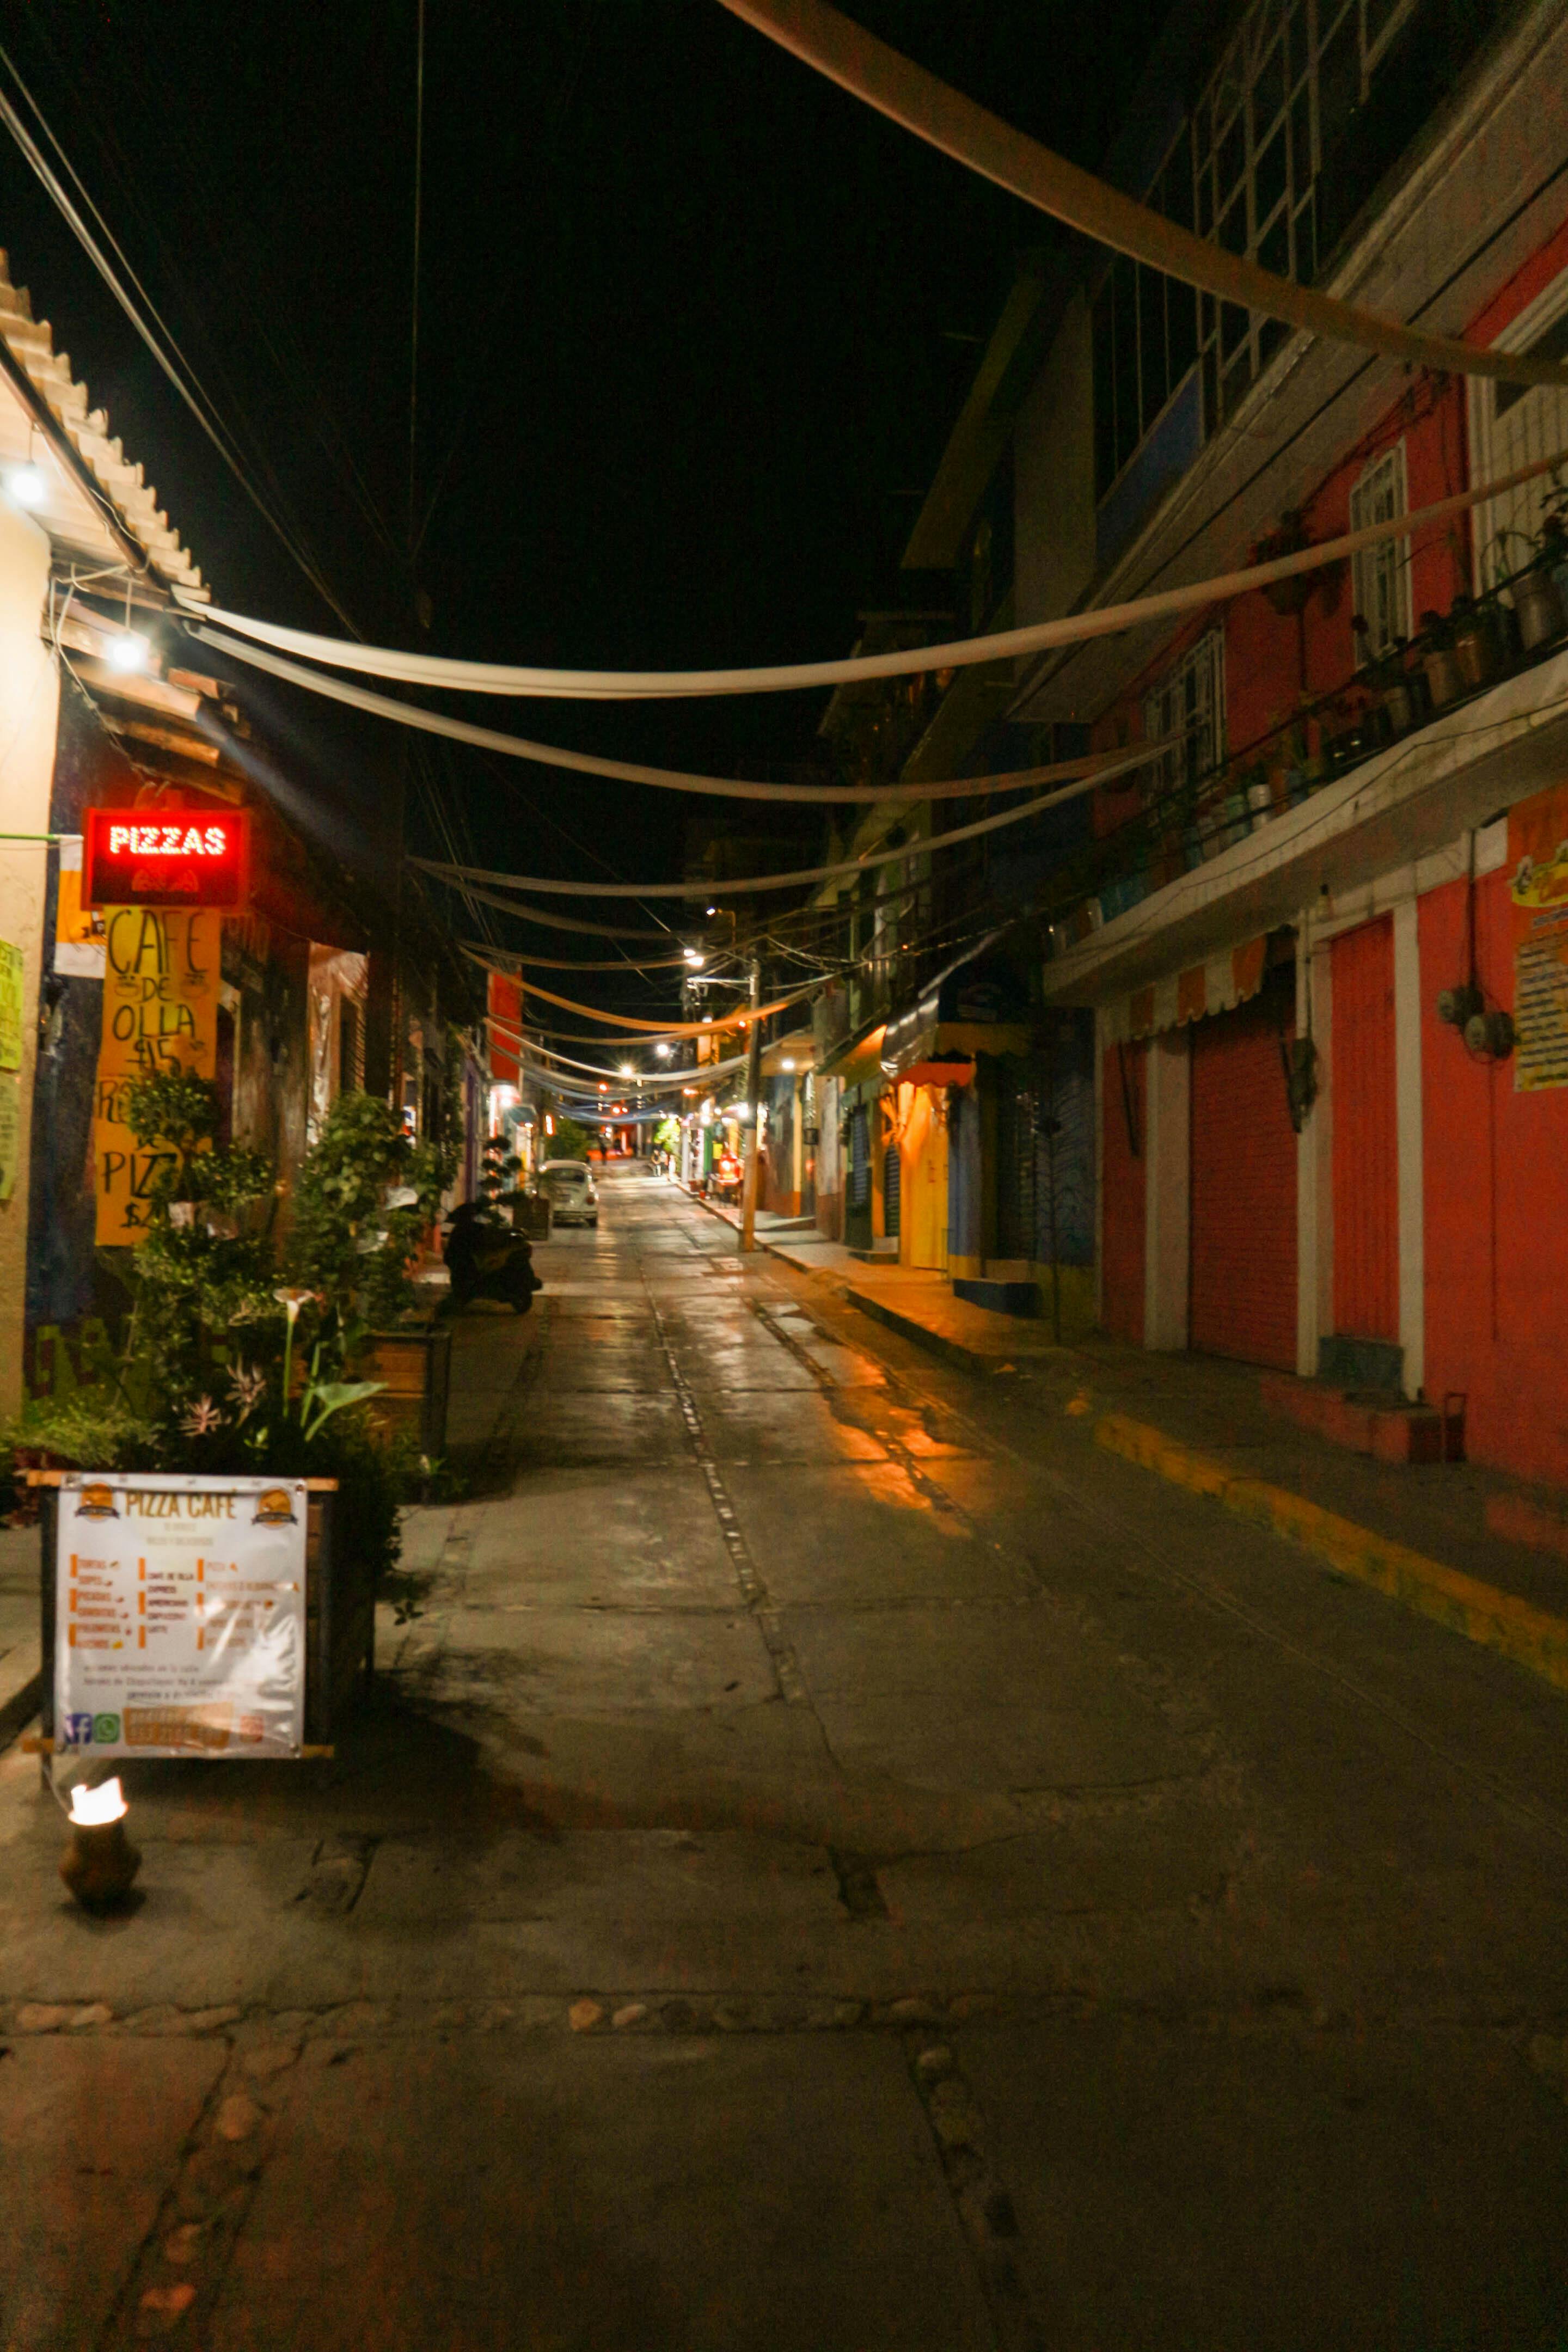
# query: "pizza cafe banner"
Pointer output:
{"type": "Point", "coordinates": [163, 973]}
{"type": "Point", "coordinates": [179, 1617]}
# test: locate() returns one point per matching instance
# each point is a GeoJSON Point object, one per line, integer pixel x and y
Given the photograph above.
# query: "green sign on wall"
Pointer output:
{"type": "Point", "coordinates": [10, 1006]}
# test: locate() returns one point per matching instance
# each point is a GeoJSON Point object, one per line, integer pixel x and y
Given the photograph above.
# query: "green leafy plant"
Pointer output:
{"type": "Point", "coordinates": [569, 1141]}
{"type": "Point", "coordinates": [204, 1269]}
{"type": "Point", "coordinates": [364, 1197]}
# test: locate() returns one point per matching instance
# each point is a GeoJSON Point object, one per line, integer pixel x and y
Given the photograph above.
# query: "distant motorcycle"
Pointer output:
{"type": "Point", "coordinates": [489, 1261]}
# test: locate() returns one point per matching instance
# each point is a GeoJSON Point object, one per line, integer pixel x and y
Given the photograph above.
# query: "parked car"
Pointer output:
{"type": "Point", "coordinates": [571, 1191]}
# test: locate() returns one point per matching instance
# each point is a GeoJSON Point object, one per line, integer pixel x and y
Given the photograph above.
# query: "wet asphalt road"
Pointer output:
{"type": "Point", "coordinates": [833, 1860]}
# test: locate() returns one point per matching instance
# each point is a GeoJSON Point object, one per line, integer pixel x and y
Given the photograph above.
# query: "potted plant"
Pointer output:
{"type": "Point", "coordinates": [365, 1197]}
{"type": "Point", "coordinates": [1538, 600]}
{"type": "Point", "coordinates": [219, 1375]}
{"type": "Point", "coordinates": [1444, 681]}
{"type": "Point", "coordinates": [1476, 640]}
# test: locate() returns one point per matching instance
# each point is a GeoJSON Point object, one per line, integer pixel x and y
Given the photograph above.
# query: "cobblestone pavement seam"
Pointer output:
{"type": "Point", "coordinates": [755, 1592]}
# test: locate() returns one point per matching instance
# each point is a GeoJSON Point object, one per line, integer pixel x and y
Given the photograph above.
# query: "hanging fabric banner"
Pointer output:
{"type": "Point", "coordinates": [1076, 629]}
{"type": "Point", "coordinates": [672, 779]}
{"type": "Point", "coordinates": [845, 53]}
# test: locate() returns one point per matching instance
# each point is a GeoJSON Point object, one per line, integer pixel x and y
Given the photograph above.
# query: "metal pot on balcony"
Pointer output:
{"type": "Point", "coordinates": [1444, 681]}
{"type": "Point", "coordinates": [1537, 607]}
{"type": "Point", "coordinates": [1477, 648]}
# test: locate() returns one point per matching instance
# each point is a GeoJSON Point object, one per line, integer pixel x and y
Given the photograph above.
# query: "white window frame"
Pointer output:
{"type": "Point", "coordinates": [1531, 425]}
{"type": "Point", "coordinates": [1380, 576]}
{"type": "Point", "coordinates": [1191, 695]}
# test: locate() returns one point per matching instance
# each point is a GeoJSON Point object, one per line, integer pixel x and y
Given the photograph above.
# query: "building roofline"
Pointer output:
{"type": "Point", "coordinates": [123, 499]}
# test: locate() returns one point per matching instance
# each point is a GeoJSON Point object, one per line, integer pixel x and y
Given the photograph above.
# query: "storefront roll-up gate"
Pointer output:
{"type": "Point", "coordinates": [1045, 1153]}
{"type": "Point", "coordinates": [1243, 1256]}
{"type": "Point", "coordinates": [1016, 1113]}
{"type": "Point", "coordinates": [1365, 1143]}
{"type": "Point", "coordinates": [858, 1179]}
{"type": "Point", "coordinates": [892, 1190]}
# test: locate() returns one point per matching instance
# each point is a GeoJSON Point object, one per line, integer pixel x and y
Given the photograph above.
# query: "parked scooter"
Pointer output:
{"type": "Point", "coordinates": [487, 1260]}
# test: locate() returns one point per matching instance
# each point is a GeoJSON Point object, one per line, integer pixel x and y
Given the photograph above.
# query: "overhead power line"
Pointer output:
{"type": "Point", "coordinates": [196, 400]}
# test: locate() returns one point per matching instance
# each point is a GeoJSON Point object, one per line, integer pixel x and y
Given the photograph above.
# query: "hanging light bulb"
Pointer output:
{"type": "Point", "coordinates": [27, 486]}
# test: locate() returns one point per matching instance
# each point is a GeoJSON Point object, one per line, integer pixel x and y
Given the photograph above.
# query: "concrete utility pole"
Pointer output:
{"type": "Point", "coordinates": [753, 1113]}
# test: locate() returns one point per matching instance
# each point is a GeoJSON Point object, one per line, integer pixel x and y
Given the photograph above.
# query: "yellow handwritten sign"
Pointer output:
{"type": "Point", "coordinates": [160, 1015]}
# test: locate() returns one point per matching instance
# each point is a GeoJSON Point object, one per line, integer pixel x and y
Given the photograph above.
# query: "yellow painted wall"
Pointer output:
{"type": "Point", "coordinates": [922, 1208]}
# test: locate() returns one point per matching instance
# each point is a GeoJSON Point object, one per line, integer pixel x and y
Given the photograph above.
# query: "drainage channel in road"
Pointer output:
{"type": "Point", "coordinates": [754, 1591]}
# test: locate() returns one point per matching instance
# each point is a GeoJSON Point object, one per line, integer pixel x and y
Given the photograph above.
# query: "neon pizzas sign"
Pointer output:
{"type": "Point", "coordinates": [179, 857]}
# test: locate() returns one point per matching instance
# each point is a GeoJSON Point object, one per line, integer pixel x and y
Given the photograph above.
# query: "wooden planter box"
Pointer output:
{"type": "Point", "coordinates": [416, 1367]}
{"type": "Point", "coordinates": [530, 1214]}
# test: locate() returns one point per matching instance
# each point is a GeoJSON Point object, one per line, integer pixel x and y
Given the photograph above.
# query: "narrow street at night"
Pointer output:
{"type": "Point", "coordinates": [783, 1090]}
{"type": "Point", "coordinates": [836, 1859]}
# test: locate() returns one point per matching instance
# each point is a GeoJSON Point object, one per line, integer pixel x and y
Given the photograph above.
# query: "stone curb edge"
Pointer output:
{"type": "Point", "coordinates": [1482, 1614]}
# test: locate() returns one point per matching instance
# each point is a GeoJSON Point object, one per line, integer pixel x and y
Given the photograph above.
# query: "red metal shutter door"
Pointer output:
{"type": "Point", "coordinates": [1243, 1276]}
{"type": "Point", "coordinates": [1366, 1162]}
{"type": "Point", "coordinates": [1123, 1197]}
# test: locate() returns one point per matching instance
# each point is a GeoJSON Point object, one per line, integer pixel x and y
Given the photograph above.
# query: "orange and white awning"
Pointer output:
{"type": "Point", "coordinates": [1214, 986]}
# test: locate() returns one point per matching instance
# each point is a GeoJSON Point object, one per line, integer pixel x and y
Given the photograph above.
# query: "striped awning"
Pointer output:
{"type": "Point", "coordinates": [1214, 986]}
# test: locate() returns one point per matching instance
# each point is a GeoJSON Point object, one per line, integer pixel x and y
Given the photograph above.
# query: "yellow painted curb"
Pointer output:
{"type": "Point", "coordinates": [1482, 1612]}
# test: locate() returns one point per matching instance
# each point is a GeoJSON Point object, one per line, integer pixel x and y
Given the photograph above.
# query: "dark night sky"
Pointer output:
{"type": "Point", "coordinates": [691, 334]}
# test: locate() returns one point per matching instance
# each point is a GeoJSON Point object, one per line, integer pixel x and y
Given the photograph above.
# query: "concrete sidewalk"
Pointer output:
{"type": "Point", "coordinates": [918, 1304]}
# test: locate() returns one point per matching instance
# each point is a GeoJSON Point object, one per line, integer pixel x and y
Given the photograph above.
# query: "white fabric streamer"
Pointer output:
{"type": "Point", "coordinates": [527, 1044]}
{"type": "Point", "coordinates": [467, 876]}
{"type": "Point", "coordinates": [1076, 629]}
{"type": "Point", "coordinates": [631, 771]}
{"type": "Point", "coordinates": [919, 102]}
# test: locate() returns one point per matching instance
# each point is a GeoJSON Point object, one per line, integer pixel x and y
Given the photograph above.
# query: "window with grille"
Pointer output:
{"type": "Point", "coordinates": [1189, 702]}
{"type": "Point", "coordinates": [1381, 575]}
{"type": "Point", "coordinates": [1284, 97]}
{"type": "Point", "coordinates": [1512, 426]}
{"type": "Point", "coordinates": [1244, 171]}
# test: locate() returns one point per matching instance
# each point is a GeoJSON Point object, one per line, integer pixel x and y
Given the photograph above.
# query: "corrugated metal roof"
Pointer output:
{"type": "Point", "coordinates": [31, 344]}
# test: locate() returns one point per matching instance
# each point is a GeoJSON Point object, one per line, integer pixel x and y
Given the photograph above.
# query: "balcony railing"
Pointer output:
{"type": "Point", "coordinates": [1478, 644]}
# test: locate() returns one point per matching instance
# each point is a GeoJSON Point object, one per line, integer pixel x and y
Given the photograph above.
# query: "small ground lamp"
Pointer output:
{"type": "Point", "coordinates": [100, 1862]}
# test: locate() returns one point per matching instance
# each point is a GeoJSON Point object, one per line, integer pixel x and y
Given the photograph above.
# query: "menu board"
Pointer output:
{"type": "Point", "coordinates": [180, 1616]}
{"type": "Point", "coordinates": [159, 1016]}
